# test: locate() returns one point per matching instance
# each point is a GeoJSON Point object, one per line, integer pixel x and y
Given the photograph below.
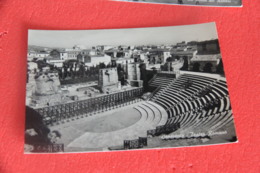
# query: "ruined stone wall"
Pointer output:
{"type": "Point", "coordinates": [133, 71]}
{"type": "Point", "coordinates": [108, 79]}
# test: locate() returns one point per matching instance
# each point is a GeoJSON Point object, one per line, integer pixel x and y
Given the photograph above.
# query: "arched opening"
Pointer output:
{"type": "Point", "coordinates": [196, 67]}
{"type": "Point", "coordinates": [208, 68]}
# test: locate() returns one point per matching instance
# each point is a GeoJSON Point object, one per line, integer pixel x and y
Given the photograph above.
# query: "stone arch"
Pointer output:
{"type": "Point", "coordinates": [196, 67]}
{"type": "Point", "coordinates": [208, 67]}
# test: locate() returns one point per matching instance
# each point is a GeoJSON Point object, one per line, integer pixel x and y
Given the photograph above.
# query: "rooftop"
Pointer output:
{"type": "Point", "coordinates": [206, 57]}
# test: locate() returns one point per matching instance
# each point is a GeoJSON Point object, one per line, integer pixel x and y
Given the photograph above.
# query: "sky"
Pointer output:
{"type": "Point", "coordinates": [114, 37]}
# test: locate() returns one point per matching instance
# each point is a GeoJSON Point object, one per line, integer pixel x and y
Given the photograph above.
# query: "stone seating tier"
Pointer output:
{"type": "Point", "coordinates": [195, 112]}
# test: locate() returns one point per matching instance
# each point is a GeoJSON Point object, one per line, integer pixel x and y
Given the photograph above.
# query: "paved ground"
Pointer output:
{"type": "Point", "coordinates": [103, 122]}
{"type": "Point", "coordinates": [118, 120]}
{"type": "Point", "coordinates": [111, 128]}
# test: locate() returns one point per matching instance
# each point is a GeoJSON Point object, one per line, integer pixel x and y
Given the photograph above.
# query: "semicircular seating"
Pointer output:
{"type": "Point", "coordinates": [202, 104]}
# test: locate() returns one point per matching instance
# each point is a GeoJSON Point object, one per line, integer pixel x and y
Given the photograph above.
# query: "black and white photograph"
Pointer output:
{"type": "Point", "coordinates": [227, 3]}
{"type": "Point", "coordinates": [126, 89]}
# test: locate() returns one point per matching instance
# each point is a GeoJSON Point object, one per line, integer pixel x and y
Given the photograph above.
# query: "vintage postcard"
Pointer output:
{"type": "Point", "coordinates": [227, 3]}
{"type": "Point", "coordinates": [126, 89]}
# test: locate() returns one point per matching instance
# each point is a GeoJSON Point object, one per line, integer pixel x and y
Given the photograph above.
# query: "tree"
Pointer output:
{"type": "Point", "coordinates": [185, 65]}
{"type": "Point", "coordinates": [169, 59]}
{"type": "Point", "coordinates": [34, 122]}
{"type": "Point", "coordinates": [81, 70]}
{"type": "Point", "coordinates": [102, 65]}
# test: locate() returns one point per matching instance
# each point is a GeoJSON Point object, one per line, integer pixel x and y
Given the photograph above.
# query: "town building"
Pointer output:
{"type": "Point", "coordinates": [63, 55]}
{"type": "Point", "coordinates": [186, 56]}
{"type": "Point", "coordinates": [37, 55]}
{"type": "Point", "coordinates": [207, 57]}
{"type": "Point", "coordinates": [94, 60]}
{"type": "Point", "coordinates": [55, 61]}
{"type": "Point", "coordinates": [123, 61]}
{"type": "Point", "coordinates": [158, 56]}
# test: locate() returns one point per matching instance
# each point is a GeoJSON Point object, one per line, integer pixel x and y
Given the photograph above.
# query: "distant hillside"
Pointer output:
{"type": "Point", "coordinates": [41, 48]}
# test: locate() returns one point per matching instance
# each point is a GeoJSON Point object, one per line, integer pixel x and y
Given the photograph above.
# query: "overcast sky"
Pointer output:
{"type": "Point", "coordinates": [114, 37]}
